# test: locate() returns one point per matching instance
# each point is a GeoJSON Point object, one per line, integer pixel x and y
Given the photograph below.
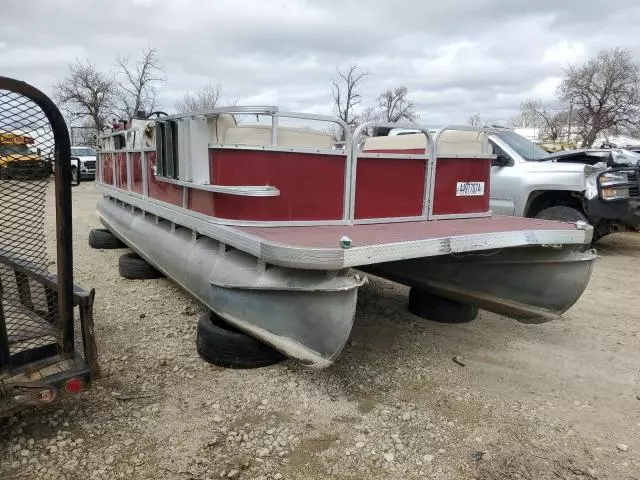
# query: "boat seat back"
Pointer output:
{"type": "Point", "coordinates": [218, 125]}
{"type": "Point", "coordinates": [287, 136]}
{"type": "Point", "coordinates": [451, 142]}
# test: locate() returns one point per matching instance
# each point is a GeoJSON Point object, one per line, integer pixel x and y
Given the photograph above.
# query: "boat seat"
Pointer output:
{"type": "Point", "coordinates": [218, 125]}
{"type": "Point", "coordinates": [287, 136]}
{"type": "Point", "coordinates": [451, 142]}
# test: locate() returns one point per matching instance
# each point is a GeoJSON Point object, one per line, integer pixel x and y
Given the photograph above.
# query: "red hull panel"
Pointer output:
{"type": "Point", "coordinates": [121, 176]}
{"type": "Point", "coordinates": [136, 172]}
{"type": "Point", "coordinates": [167, 192]}
{"type": "Point", "coordinates": [311, 185]}
{"type": "Point", "coordinates": [201, 201]}
{"type": "Point", "coordinates": [389, 187]}
{"type": "Point", "coordinates": [107, 173]}
{"type": "Point", "coordinates": [450, 171]}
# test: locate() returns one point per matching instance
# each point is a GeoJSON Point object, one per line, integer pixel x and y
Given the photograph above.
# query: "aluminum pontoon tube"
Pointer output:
{"type": "Point", "coordinates": [305, 314]}
{"type": "Point", "coordinates": [531, 284]}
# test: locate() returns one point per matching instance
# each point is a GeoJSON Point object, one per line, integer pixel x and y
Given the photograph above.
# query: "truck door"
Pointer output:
{"type": "Point", "coordinates": [503, 181]}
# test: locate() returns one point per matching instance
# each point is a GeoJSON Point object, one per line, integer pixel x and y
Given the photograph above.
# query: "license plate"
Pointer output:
{"type": "Point", "coordinates": [469, 189]}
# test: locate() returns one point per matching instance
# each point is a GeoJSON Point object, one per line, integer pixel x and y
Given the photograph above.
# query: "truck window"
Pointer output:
{"type": "Point", "coordinates": [13, 149]}
{"type": "Point", "coordinates": [502, 158]}
{"type": "Point", "coordinates": [526, 148]}
{"type": "Point", "coordinates": [496, 149]}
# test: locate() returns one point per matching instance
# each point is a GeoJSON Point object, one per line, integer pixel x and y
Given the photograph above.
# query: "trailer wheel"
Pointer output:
{"type": "Point", "coordinates": [134, 267]}
{"type": "Point", "coordinates": [75, 177]}
{"type": "Point", "coordinates": [221, 344]}
{"type": "Point", "coordinates": [439, 309]}
{"type": "Point", "coordinates": [102, 238]}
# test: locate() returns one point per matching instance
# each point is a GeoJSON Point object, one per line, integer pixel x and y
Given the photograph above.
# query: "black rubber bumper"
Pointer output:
{"type": "Point", "coordinates": [626, 212]}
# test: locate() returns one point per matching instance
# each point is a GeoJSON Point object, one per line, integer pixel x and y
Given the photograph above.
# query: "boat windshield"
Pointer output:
{"type": "Point", "coordinates": [526, 148]}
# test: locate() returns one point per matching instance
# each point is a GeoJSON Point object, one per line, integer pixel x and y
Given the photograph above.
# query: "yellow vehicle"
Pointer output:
{"type": "Point", "coordinates": [18, 159]}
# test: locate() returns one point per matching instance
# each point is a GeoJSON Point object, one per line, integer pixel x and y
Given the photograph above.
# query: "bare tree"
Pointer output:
{"type": "Point", "coordinates": [84, 134]}
{"type": "Point", "coordinates": [346, 93]}
{"type": "Point", "coordinates": [204, 99]}
{"type": "Point", "coordinates": [516, 121]}
{"type": "Point", "coordinates": [137, 84]}
{"type": "Point", "coordinates": [86, 93]}
{"type": "Point", "coordinates": [551, 124]}
{"type": "Point", "coordinates": [393, 105]}
{"type": "Point", "coordinates": [475, 120]}
{"type": "Point", "coordinates": [604, 94]}
{"type": "Point", "coordinates": [370, 114]}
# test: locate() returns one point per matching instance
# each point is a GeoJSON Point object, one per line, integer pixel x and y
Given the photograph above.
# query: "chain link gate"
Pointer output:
{"type": "Point", "coordinates": [38, 334]}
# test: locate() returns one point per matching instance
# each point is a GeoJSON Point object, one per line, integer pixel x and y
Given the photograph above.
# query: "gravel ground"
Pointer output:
{"type": "Point", "coordinates": [554, 401]}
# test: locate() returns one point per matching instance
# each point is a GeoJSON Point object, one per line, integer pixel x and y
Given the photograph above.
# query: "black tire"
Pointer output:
{"type": "Point", "coordinates": [562, 213]}
{"type": "Point", "coordinates": [134, 267]}
{"type": "Point", "coordinates": [221, 344]}
{"type": "Point", "coordinates": [103, 239]}
{"type": "Point", "coordinates": [75, 176]}
{"type": "Point", "coordinates": [438, 309]}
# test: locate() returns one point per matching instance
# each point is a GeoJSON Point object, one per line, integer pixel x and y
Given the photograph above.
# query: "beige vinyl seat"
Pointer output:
{"type": "Point", "coordinates": [224, 130]}
{"type": "Point", "coordinates": [451, 142]}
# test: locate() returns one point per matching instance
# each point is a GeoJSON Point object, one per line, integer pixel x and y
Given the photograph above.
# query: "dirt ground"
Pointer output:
{"type": "Point", "coordinates": [559, 400]}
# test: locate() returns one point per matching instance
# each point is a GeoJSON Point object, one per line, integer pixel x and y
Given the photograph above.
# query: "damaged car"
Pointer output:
{"type": "Point", "coordinates": [597, 186]}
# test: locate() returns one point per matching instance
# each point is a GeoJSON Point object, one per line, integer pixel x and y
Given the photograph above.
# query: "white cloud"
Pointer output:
{"type": "Point", "coordinates": [564, 53]}
{"type": "Point", "coordinates": [546, 89]}
{"type": "Point", "coordinates": [456, 57]}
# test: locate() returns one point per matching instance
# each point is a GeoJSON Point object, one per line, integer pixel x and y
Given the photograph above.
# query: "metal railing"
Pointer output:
{"type": "Point", "coordinates": [351, 151]}
{"type": "Point", "coordinates": [428, 157]}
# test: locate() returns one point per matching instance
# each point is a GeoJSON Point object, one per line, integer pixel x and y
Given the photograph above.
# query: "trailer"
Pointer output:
{"type": "Point", "coordinates": [273, 220]}
{"type": "Point", "coordinates": [45, 353]}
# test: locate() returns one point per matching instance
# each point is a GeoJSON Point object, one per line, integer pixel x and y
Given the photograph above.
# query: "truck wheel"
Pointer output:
{"type": "Point", "coordinates": [103, 239]}
{"type": "Point", "coordinates": [562, 213]}
{"type": "Point", "coordinates": [439, 309]}
{"type": "Point", "coordinates": [75, 177]}
{"type": "Point", "coordinates": [134, 267]}
{"type": "Point", "coordinates": [221, 344]}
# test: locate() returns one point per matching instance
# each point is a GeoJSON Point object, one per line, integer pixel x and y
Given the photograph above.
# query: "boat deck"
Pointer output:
{"type": "Point", "coordinates": [319, 246]}
{"type": "Point", "coordinates": [328, 236]}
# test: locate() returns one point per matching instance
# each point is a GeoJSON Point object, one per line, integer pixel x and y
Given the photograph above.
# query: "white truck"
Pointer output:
{"type": "Point", "coordinates": [83, 164]}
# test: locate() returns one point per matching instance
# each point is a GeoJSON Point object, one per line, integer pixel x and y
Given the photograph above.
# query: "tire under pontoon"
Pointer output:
{"type": "Point", "coordinates": [305, 314]}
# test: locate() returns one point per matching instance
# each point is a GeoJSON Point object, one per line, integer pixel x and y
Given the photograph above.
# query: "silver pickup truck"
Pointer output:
{"type": "Point", "coordinates": [599, 186]}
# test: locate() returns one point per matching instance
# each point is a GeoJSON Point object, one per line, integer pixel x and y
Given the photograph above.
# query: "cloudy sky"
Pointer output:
{"type": "Point", "coordinates": [457, 57]}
